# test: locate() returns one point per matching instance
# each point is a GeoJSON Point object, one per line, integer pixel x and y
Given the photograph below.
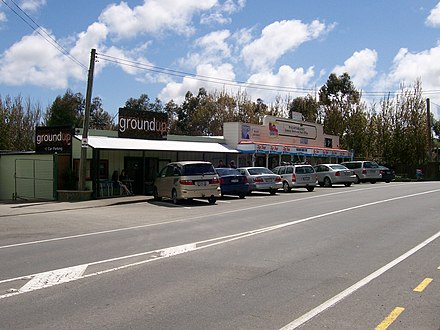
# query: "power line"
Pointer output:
{"type": "Point", "coordinates": [42, 32]}
{"type": "Point", "coordinates": [182, 74]}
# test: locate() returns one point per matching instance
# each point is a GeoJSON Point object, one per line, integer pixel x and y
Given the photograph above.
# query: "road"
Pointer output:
{"type": "Point", "coordinates": [362, 257]}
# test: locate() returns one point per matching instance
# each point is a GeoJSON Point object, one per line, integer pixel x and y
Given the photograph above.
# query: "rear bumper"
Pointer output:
{"type": "Point", "coordinates": [205, 193]}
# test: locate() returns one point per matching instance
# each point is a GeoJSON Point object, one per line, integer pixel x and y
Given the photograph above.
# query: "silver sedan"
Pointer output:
{"type": "Point", "coordinates": [262, 179]}
{"type": "Point", "coordinates": [329, 174]}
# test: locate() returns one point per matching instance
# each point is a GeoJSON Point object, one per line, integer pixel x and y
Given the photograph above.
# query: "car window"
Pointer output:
{"type": "Point", "coordinates": [198, 169]}
{"type": "Point", "coordinates": [308, 169]}
{"type": "Point", "coordinates": [169, 170]}
{"type": "Point", "coordinates": [227, 171]}
{"type": "Point", "coordinates": [259, 170]}
{"type": "Point", "coordinates": [282, 170]}
{"type": "Point", "coordinates": [371, 165]}
{"type": "Point", "coordinates": [338, 167]}
{"type": "Point", "coordinates": [299, 170]}
{"type": "Point", "coordinates": [276, 170]}
{"type": "Point", "coordinates": [289, 170]}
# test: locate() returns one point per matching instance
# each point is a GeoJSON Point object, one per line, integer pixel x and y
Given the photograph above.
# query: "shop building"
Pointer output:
{"type": "Point", "coordinates": [142, 147]}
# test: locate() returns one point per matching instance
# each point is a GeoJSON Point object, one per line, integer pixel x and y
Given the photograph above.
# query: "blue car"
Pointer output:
{"type": "Point", "coordinates": [232, 182]}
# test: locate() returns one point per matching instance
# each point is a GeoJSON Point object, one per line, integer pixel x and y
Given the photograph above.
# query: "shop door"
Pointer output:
{"type": "Point", "coordinates": [134, 170]}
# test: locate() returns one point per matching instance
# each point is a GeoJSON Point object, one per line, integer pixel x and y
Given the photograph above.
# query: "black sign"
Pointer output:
{"type": "Point", "coordinates": [50, 140]}
{"type": "Point", "coordinates": [142, 124]}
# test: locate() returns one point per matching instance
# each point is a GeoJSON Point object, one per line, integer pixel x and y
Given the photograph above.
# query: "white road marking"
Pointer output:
{"type": "Point", "coordinates": [44, 280]}
{"type": "Point", "coordinates": [344, 294]}
{"type": "Point", "coordinates": [185, 248]}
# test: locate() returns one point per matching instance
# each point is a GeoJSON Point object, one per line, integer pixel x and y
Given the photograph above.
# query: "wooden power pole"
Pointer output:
{"type": "Point", "coordinates": [84, 142]}
{"type": "Point", "coordinates": [428, 119]}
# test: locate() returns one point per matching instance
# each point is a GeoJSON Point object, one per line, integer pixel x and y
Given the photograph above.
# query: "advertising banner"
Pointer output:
{"type": "Point", "coordinates": [142, 124]}
{"type": "Point", "coordinates": [55, 139]}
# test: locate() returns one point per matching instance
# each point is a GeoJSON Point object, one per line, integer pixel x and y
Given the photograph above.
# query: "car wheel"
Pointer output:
{"type": "Point", "coordinates": [286, 187]}
{"type": "Point", "coordinates": [310, 189]}
{"type": "Point", "coordinates": [174, 197]}
{"type": "Point", "coordinates": [242, 196]}
{"type": "Point", "coordinates": [357, 181]}
{"type": "Point", "coordinates": [156, 195]}
{"type": "Point", "coordinates": [327, 182]}
{"type": "Point", "coordinates": [211, 200]}
{"type": "Point", "coordinates": [373, 181]}
{"type": "Point", "coordinates": [388, 181]}
{"type": "Point", "coordinates": [273, 191]}
{"type": "Point", "coordinates": [348, 184]}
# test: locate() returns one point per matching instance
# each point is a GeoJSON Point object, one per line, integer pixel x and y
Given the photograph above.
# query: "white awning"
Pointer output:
{"type": "Point", "coordinates": [113, 143]}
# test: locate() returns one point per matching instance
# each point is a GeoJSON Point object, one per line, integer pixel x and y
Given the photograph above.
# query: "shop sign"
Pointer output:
{"type": "Point", "coordinates": [276, 149]}
{"type": "Point", "coordinates": [291, 128]}
{"type": "Point", "coordinates": [55, 139]}
{"type": "Point", "coordinates": [262, 148]}
{"type": "Point", "coordinates": [142, 124]}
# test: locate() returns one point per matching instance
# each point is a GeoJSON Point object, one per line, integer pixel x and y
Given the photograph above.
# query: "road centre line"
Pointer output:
{"type": "Point", "coordinates": [422, 286]}
{"type": "Point", "coordinates": [390, 318]}
{"type": "Point", "coordinates": [185, 248]}
{"type": "Point", "coordinates": [184, 219]}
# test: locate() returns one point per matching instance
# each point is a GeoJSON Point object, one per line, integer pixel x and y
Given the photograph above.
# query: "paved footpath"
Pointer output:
{"type": "Point", "coordinates": [10, 208]}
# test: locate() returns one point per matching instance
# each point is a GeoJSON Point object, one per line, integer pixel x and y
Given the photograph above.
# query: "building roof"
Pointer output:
{"type": "Point", "coordinates": [113, 143]}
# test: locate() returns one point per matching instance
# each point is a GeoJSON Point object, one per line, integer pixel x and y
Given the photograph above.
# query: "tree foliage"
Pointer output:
{"type": "Point", "coordinates": [66, 110]}
{"type": "Point", "coordinates": [18, 119]}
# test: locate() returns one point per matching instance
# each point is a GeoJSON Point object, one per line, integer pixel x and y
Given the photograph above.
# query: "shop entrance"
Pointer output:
{"type": "Point", "coordinates": [141, 172]}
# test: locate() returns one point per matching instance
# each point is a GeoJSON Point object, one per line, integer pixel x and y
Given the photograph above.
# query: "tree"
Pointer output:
{"type": "Point", "coordinates": [344, 114]}
{"type": "Point", "coordinates": [66, 110]}
{"type": "Point", "coordinates": [99, 118]}
{"type": "Point", "coordinates": [18, 120]}
{"type": "Point", "coordinates": [307, 106]}
{"type": "Point", "coordinates": [143, 104]}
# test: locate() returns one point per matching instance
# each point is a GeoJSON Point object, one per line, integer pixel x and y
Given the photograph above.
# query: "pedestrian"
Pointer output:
{"type": "Point", "coordinates": [232, 164]}
{"type": "Point", "coordinates": [221, 164]}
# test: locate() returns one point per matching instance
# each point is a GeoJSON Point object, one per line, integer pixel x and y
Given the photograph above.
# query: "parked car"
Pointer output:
{"type": "Point", "coordinates": [329, 174]}
{"type": "Point", "coordinates": [388, 174]}
{"type": "Point", "coordinates": [261, 179]}
{"type": "Point", "coordinates": [365, 170]}
{"type": "Point", "coordinates": [296, 176]}
{"type": "Point", "coordinates": [232, 182]}
{"type": "Point", "coordinates": [187, 180]}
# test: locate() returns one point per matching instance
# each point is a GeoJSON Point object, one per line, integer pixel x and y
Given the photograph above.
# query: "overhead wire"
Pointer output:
{"type": "Point", "coordinates": [42, 32]}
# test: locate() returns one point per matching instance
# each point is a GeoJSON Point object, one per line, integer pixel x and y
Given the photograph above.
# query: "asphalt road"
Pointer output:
{"type": "Point", "coordinates": [361, 257]}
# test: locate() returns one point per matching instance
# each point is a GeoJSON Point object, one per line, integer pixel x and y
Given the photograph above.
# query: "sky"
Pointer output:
{"type": "Point", "coordinates": [266, 49]}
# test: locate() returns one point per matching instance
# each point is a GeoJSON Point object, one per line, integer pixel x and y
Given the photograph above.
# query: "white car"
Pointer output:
{"type": "Point", "coordinates": [365, 170]}
{"type": "Point", "coordinates": [297, 176]}
{"type": "Point", "coordinates": [330, 174]}
{"type": "Point", "coordinates": [261, 179]}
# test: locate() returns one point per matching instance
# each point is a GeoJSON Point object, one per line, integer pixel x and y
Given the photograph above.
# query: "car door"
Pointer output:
{"type": "Point", "coordinates": [165, 181]}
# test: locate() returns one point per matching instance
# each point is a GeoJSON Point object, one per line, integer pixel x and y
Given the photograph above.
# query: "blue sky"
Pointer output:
{"type": "Point", "coordinates": [286, 47]}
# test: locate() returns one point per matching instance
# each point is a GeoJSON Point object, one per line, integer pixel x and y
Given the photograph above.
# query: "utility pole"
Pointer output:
{"type": "Point", "coordinates": [428, 120]}
{"type": "Point", "coordinates": [84, 142]}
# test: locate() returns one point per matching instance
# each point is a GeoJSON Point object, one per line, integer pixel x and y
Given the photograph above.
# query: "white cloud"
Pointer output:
{"type": "Point", "coordinates": [411, 66]}
{"type": "Point", "coordinates": [361, 67]}
{"type": "Point", "coordinates": [277, 39]}
{"type": "Point", "coordinates": [32, 5]}
{"type": "Point", "coordinates": [32, 61]}
{"type": "Point", "coordinates": [3, 17]}
{"type": "Point", "coordinates": [293, 79]}
{"type": "Point", "coordinates": [217, 15]}
{"type": "Point", "coordinates": [176, 91]}
{"type": "Point", "coordinates": [434, 17]}
{"type": "Point", "coordinates": [154, 16]}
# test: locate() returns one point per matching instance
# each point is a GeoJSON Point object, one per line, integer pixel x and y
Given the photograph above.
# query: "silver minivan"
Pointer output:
{"type": "Point", "coordinates": [187, 180]}
{"type": "Point", "coordinates": [297, 176]}
{"type": "Point", "coordinates": [365, 170]}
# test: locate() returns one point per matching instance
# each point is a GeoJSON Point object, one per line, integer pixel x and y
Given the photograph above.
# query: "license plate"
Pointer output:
{"type": "Point", "coordinates": [202, 183]}
{"type": "Point", "coordinates": [306, 178]}
{"type": "Point", "coordinates": [234, 180]}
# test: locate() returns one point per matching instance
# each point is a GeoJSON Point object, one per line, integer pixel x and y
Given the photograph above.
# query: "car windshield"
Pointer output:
{"type": "Point", "coordinates": [198, 169]}
{"type": "Point", "coordinates": [371, 165]}
{"type": "Point", "coordinates": [227, 171]}
{"type": "Point", "coordinates": [259, 170]}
